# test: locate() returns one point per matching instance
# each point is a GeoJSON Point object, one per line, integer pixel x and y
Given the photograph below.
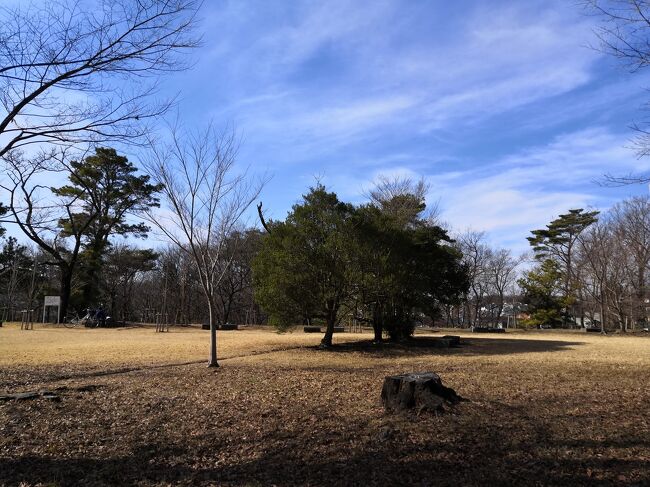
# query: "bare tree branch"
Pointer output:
{"type": "Point", "coordinates": [204, 200]}
{"type": "Point", "coordinates": [64, 72]}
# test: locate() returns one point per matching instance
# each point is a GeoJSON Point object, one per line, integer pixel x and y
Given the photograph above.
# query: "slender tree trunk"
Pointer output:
{"type": "Point", "coordinates": [500, 307]}
{"type": "Point", "coordinates": [212, 361]}
{"type": "Point", "coordinates": [377, 325]}
{"type": "Point", "coordinates": [602, 311]}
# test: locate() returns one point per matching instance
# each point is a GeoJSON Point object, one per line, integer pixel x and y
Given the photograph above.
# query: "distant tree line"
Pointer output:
{"type": "Point", "coordinates": [386, 264]}
{"type": "Point", "coordinates": [593, 269]}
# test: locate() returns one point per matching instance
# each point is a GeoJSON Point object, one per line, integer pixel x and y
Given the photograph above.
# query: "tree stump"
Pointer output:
{"type": "Point", "coordinates": [421, 391]}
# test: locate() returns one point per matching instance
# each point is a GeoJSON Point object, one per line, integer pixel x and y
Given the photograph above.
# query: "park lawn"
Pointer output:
{"type": "Point", "coordinates": [543, 409]}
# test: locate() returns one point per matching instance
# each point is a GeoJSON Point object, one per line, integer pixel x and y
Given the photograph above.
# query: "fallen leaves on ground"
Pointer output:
{"type": "Point", "coordinates": [544, 409]}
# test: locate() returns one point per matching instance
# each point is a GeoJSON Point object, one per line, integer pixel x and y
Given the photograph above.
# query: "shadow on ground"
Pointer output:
{"type": "Point", "coordinates": [469, 346]}
{"type": "Point", "coordinates": [486, 456]}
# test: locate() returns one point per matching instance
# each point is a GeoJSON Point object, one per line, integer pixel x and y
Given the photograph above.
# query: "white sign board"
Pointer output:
{"type": "Point", "coordinates": [52, 300]}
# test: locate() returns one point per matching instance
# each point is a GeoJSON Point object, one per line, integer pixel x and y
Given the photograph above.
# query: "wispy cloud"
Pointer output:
{"type": "Point", "coordinates": [499, 104]}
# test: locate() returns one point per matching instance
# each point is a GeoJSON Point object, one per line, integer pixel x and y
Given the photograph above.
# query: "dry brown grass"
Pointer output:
{"type": "Point", "coordinates": [55, 345]}
{"type": "Point", "coordinates": [544, 409]}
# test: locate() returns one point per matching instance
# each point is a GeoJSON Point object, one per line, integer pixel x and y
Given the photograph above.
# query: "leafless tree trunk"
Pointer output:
{"type": "Point", "coordinates": [205, 199]}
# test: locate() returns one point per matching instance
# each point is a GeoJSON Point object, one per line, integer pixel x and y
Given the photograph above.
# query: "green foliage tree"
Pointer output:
{"type": "Point", "coordinates": [329, 258]}
{"type": "Point", "coordinates": [305, 267]}
{"type": "Point", "coordinates": [406, 266]}
{"type": "Point", "coordinates": [558, 242]}
{"type": "Point", "coordinates": [106, 190]}
{"type": "Point", "coordinates": [542, 292]}
{"type": "Point", "coordinates": [74, 230]}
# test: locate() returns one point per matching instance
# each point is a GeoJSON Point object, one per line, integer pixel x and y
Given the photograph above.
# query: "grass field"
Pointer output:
{"type": "Point", "coordinates": [544, 409]}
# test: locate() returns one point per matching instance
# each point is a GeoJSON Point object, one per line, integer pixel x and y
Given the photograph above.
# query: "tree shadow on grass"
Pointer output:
{"type": "Point", "coordinates": [481, 457]}
{"type": "Point", "coordinates": [420, 345]}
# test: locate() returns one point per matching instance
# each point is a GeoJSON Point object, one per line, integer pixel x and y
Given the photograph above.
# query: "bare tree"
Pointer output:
{"type": "Point", "coordinates": [403, 198]}
{"type": "Point", "coordinates": [65, 72]}
{"type": "Point", "coordinates": [204, 199]}
{"type": "Point", "coordinates": [625, 34]}
{"type": "Point", "coordinates": [476, 257]}
{"type": "Point", "coordinates": [631, 220]}
{"type": "Point", "coordinates": [502, 270]}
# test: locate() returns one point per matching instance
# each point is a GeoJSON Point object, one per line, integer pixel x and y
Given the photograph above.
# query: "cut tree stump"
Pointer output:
{"type": "Point", "coordinates": [418, 391]}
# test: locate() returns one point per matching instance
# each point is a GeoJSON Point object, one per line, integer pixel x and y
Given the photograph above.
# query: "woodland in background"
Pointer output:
{"type": "Point", "coordinates": [589, 269]}
{"type": "Point", "coordinates": [373, 263]}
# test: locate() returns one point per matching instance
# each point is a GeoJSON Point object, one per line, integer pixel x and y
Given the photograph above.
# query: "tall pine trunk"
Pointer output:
{"type": "Point", "coordinates": [65, 289]}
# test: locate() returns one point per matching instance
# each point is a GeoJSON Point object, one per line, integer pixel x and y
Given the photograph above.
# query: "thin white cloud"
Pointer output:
{"type": "Point", "coordinates": [485, 62]}
{"type": "Point", "coordinates": [517, 193]}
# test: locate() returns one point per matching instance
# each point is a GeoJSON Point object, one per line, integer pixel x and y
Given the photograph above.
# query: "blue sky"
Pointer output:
{"type": "Point", "coordinates": [501, 106]}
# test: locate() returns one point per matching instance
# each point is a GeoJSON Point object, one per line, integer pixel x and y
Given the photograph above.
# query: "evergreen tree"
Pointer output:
{"type": "Point", "coordinates": [542, 287]}
{"type": "Point", "coordinates": [329, 258]}
{"type": "Point", "coordinates": [106, 190]}
{"type": "Point", "coordinates": [557, 242]}
{"type": "Point", "coordinates": [304, 270]}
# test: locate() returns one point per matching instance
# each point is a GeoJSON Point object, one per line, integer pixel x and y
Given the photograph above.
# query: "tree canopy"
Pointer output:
{"type": "Point", "coordinates": [330, 260]}
{"type": "Point", "coordinates": [105, 190]}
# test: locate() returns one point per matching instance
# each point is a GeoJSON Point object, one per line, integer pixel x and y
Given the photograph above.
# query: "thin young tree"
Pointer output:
{"type": "Point", "coordinates": [203, 199]}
